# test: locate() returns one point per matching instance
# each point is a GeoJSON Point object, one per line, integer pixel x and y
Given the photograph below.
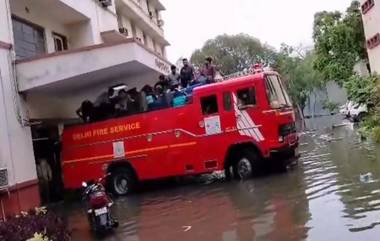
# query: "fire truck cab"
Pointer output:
{"type": "Point", "coordinates": [235, 125]}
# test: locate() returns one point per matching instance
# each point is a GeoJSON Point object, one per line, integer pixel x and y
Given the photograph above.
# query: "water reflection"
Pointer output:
{"type": "Point", "coordinates": [333, 194]}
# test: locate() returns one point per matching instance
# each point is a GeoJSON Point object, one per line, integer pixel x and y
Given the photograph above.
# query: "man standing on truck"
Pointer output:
{"type": "Point", "coordinates": [187, 73]}
{"type": "Point", "coordinates": [173, 78]}
{"type": "Point", "coordinates": [209, 71]}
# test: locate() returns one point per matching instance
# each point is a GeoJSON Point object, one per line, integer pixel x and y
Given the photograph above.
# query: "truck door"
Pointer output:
{"type": "Point", "coordinates": [247, 112]}
{"type": "Point", "coordinates": [210, 128]}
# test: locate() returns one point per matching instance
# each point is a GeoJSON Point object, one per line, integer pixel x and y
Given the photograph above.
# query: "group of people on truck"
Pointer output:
{"type": "Point", "coordinates": [172, 90]}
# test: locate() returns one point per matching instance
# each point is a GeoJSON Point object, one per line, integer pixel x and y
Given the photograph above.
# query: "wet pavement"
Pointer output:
{"type": "Point", "coordinates": [333, 194]}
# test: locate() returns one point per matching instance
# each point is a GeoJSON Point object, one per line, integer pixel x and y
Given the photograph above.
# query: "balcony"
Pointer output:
{"type": "Point", "coordinates": [63, 11]}
{"type": "Point", "coordinates": [150, 25]}
{"type": "Point", "coordinates": [103, 64]}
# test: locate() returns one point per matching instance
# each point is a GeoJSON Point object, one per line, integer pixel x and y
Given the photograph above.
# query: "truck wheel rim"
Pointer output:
{"type": "Point", "coordinates": [244, 168]}
{"type": "Point", "coordinates": [121, 184]}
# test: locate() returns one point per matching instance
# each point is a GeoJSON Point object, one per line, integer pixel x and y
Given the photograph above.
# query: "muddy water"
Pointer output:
{"type": "Point", "coordinates": [333, 194]}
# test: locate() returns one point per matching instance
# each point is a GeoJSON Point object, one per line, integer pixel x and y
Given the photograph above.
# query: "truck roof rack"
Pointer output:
{"type": "Point", "coordinates": [257, 68]}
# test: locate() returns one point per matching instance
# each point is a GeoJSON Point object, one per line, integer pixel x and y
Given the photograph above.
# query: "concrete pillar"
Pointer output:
{"type": "Point", "coordinates": [16, 147]}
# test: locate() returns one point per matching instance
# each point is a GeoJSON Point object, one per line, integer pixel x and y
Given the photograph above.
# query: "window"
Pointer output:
{"type": "Point", "coordinates": [60, 42]}
{"type": "Point", "coordinates": [367, 5]}
{"type": "Point", "coordinates": [277, 95]}
{"type": "Point", "coordinates": [374, 41]}
{"type": "Point", "coordinates": [209, 105]}
{"type": "Point", "coordinates": [227, 101]}
{"type": "Point", "coordinates": [246, 97]}
{"type": "Point", "coordinates": [29, 39]}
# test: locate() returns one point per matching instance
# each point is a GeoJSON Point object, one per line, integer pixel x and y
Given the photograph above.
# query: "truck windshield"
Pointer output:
{"type": "Point", "coordinates": [277, 95]}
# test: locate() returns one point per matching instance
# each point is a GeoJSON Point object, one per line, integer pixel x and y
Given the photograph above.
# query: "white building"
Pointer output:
{"type": "Point", "coordinates": [53, 55]}
{"type": "Point", "coordinates": [371, 20]}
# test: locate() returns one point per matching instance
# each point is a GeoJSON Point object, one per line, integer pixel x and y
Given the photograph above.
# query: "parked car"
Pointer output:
{"type": "Point", "coordinates": [345, 109]}
{"type": "Point", "coordinates": [354, 111]}
{"type": "Point", "coordinates": [358, 111]}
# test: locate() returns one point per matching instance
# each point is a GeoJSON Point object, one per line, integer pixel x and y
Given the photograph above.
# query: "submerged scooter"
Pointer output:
{"type": "Point", "coordinates": [99, 207]}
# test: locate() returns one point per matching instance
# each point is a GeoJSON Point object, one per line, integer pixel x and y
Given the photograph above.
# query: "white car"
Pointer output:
{"type": "Point", "coordinates": [345, 109]}
{"type": "Point", "coordinates": [353, 110]}
{"type": "Point", "coordinates": [358, 111]}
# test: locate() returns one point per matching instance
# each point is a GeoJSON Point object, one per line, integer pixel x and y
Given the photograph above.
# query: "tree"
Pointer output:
{"type": "Point", "coordinates": [296, 68]}
{"type": "Point", "coordinates": [339, 43]}
{"type": "Point", "coordinates": [233, 53]}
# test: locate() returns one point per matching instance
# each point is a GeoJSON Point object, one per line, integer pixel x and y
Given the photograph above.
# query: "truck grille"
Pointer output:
{"type": "Point", "coordinates": [287, 129]}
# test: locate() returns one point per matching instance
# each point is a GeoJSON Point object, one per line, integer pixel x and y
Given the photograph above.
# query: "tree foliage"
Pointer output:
{"type": "Point", "coordinates": [363, 89]}
{"type": "Point", "coordinates": [233, 53]}
{"type": "Point", "coordinates": [339, 43]}
{"type": "Point", "coordinates": [298, 72]}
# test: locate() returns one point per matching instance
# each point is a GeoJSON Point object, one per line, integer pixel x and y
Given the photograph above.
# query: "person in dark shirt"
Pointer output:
{"type": "Point", "coordinates": [122, 103]}
{"type": "Point", "coordinates": [209, 71]}
{"type": "Point", "coordinates": [105, 104]}
{"type": "Point", "coordinates": [162, 81]}
{"type": "Point", "coordinates": [187, 74]}
{"type": "Point", "coordinates": [86, 111]}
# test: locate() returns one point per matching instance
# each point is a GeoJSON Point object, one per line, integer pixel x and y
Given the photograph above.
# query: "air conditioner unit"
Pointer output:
{"type": "Point", "coordinates": [160, 22]}
{"type": "Point", "coordinates": [3, 178]}
{"type": "Point", "coordinates": [123, 31]}
{"type": "Point", "coordinates": [106, 3]}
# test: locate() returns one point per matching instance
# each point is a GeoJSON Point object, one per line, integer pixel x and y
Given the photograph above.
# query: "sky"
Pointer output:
{"type": "Point", "coordinates": [189, 24]}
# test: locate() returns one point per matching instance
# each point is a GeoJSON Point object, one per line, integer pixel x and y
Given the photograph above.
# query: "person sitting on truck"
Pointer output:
{"type": "Point", "coordinates": [186, 73]}
{"type": "Point", "coordinates": [179, 98]}
{"type": "Point", "coordinates": [150, 97]}
{"type": "Point", "coordinates": [134, 103]}
{"type": "Point", "coordinates": [209, 71]}
{"type": "Point", "coordinates": [105, 104]}
{"type": "Point", "coordinates": [86, 111]}
{"type": "Point", "coordinates": [163, 81]}
{"type": "Point", "coordinates": [173, 78]}
{"type": "Point", "coordinates": [160, 101]}
{"type": "Point", "coordinates": [121, 106]}
{"type": "Point", "coordinates": [105, 97]}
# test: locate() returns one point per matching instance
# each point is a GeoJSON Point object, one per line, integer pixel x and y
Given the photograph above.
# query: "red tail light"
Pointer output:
{"type": "Point", "coordinates": [98, 200]}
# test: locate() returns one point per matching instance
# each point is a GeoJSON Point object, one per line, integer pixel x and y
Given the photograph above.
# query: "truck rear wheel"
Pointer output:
{"type": "Point", "coordinates": [245, 165]}
{"type": "Point", "coordinates": [122, 181]}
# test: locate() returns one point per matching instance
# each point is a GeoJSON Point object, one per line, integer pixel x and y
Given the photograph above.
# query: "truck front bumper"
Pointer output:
{"type": "Point", "coordinates": [287, 154]}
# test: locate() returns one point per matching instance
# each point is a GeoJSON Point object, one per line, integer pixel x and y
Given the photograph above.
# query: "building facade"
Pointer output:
{"type": "Point", "coordinates": [53, 55]}
{"type": "Point", "coordinates": [371, 20]}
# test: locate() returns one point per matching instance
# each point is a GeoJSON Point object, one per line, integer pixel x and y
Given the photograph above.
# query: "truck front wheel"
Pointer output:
{"type": "Point", "coordinates": [245, 165]}
{"type": "Point", "coordinates": [122, 181]}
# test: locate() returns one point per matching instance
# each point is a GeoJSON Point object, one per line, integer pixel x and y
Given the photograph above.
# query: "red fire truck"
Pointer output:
{"type": "Point", "coordinates": [235, 126]}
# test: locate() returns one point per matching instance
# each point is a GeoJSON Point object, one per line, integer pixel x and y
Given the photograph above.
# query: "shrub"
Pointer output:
{"type": "Point", "coordinates": [363, 89]}
{"type": "Point", "coordinates": [25, 226]}
{"type": "Point", "coordinates": [39, 237]}
{"type": "Point", "coordinates": [376, 133]}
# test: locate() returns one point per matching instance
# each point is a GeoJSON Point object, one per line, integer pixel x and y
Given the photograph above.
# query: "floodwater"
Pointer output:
{"type": "Point", "coordinates": [333, 194]}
